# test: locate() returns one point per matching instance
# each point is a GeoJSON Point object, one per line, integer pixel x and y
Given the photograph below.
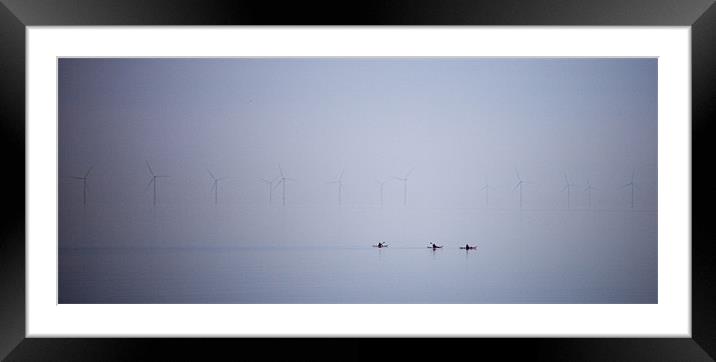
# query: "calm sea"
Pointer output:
{"type": "Point", "coordinates": [600, 266]}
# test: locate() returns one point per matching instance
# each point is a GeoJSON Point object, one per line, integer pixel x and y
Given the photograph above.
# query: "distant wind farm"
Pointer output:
{"type": "Point", "coordinates": [281, 180]}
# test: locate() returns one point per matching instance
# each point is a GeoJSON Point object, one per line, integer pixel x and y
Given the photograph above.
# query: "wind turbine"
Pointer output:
{"type": "Point", "coordinates": [519, 184]}
{"type": "Point", "coordinates": [269, 183]}
{"type": "Point", "coordinates": [487, 189]}
{"type": "Point", "coordinates": [282, 181]}
{"type": "Point", "coordinates": [405, 186]}
{"type": "Point", "coordinates": [153, 181]}
{"type": "Point", "coordinates": [381, 183]}
{"type": "Point", "coordinates": [632, 185]}
{"type": "Point", "coordinates": [215, 185]}
{"type": "Point", "coordinates": [339, 182]}
{"type": "Point", "coordinates": [567, 187]}
{"type": "Point", "coordinates": [589, 189]}
{"type": "Point", "coordinates": [84, 184]}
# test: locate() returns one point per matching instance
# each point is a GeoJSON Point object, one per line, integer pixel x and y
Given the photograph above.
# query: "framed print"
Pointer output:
{"type": "Point", "coordinates": [258, 180]}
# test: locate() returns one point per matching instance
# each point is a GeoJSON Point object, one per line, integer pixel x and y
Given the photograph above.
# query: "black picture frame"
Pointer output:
{"type": "Point", "coordinates": [15, 15]}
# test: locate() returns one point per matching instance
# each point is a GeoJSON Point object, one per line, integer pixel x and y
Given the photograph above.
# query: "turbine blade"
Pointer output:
{"type": "Point", "coordinates": [278, 183]}
{"type": "Point", "coordinates": [280, 170]}
{"type": "Point", "coordinates": [340, 177]}
{"type": "Point", "coordinates": [565, 188]}
{"type": "Point", "coordinates": [150, 168]}
{"type": "Point", "coordinates": [213, 186]}
{"type": "Point", "coordinates": [211, 174]}
{"type": "Point", "coordinates": [149, 184]}
{"type": "Point", "coordinates": [409, 173]}
{"type": "Point", "coordinates": [77, 177]}
{"type": "Point", "coordinates": [516, 186]}
{"type": "Point", "coordinates": [88, 171]}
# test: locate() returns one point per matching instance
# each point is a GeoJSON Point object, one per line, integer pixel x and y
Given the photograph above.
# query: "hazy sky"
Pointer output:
{"type": "Point", "coordinates": [456, 121]}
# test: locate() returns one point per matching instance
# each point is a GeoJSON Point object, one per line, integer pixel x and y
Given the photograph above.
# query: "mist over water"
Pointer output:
{"type": "Point", "coordinates": [457, 123]}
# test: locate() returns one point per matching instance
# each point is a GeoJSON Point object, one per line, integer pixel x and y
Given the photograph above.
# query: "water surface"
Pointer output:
{"type": "Point", "coordinates": [570, 258]}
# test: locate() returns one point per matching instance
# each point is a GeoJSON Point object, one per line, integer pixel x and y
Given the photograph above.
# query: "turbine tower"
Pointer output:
{"type": "Point", "coordinates": [381, 183]}
{"type": "Point", "coordinates": [84, 184]}
{"type": "Point", "coordinates": [153, 182]}
{"type": "Point", "coordinates": [405, 186]}
{"type": "Point", "coordinates": [269, 183]}
{"type": "Point", "coordinates": [487, 189]}
{"type": "Point", "coordinates": [631, 185]}
{"type": "Point", "coordinates": [215, 185]}
{"type": "Point", "coordinates": [282, 181]}
{"type": "Point", "coordinates": [339, 182]}
{"type": "Point", "coordinates": [568, 187]}
{"type": "Point", "coordinates": [519, 184]}
{"type": "Point", "coordinates": [589, 189]}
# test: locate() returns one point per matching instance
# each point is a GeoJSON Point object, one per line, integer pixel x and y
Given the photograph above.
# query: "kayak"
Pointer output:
{"type": "Point", "coordinates": [380, 246]}
{"type": "Point", "coordinates": [469, 248]}
{"type": "Point", "coordinates": [434, 247]}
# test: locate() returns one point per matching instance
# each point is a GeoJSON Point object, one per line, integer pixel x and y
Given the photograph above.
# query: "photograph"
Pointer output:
{"type": "Point", "coordinates": [357, 180]}
{"type": "Point", "coordinates": [511, 178]}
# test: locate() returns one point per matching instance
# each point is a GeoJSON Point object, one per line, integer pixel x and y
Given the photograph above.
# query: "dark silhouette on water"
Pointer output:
{"type": "Point", "coordinates": [434, 246]}
{"type": "Point", "coordinates": [468, 247]}
{"type": "Point", "coordinates": [381, 245]}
